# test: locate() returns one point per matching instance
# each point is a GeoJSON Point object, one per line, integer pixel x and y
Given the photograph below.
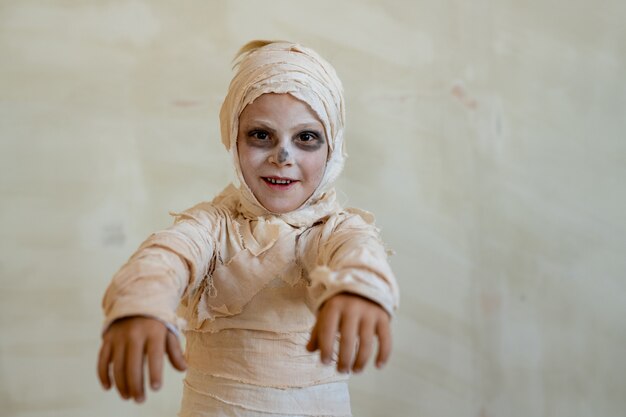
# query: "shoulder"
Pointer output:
{"type": "Point", "coordinates": [351, 217]}
{"type": "Point", "coordinates": [345, 225]}
{"type": "Point", "coordinates": [204, 213]}
{"type": "Point", "coordinates": [222, 207]}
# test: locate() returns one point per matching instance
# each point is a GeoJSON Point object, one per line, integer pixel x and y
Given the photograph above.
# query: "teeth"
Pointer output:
{"type": "Point", "coordinates": [274, 181]}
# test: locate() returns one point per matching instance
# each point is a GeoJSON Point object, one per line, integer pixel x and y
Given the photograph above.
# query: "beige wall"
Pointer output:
{"type": "Point", "coordinates": [487, 137]}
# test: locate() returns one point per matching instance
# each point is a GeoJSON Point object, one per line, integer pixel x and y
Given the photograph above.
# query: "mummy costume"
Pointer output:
{"type": "Point", "coordinates": [244, 284]}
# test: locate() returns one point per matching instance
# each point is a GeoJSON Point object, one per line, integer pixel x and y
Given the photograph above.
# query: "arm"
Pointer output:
{"type": "Point", "coordinates": [150, 284]}
{"type": "Point", "coordinates": [140, 304]}
{"type": "Point", "coordinates": [355, 292]}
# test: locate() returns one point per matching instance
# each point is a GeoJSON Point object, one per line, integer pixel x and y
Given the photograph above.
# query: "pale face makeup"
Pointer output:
{"type": "Point", "coordinates": [282, 151]}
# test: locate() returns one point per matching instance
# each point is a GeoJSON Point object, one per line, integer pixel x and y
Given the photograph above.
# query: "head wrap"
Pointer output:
{"type": "Point", "coordinates": [284, 67]}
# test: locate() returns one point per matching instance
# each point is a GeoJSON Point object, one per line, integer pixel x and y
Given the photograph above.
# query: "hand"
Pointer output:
{"type": "Point", "coordinates": [125, 344]}
{"type": "Point", "coordinates": [353, 317]}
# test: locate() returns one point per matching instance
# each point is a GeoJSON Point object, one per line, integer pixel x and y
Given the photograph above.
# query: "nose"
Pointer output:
{"type": "Point", "coordinates": [281, 157]}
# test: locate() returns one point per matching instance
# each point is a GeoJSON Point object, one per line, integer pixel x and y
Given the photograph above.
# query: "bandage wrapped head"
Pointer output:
{"type": "Point", "coordinates": [282, 67]}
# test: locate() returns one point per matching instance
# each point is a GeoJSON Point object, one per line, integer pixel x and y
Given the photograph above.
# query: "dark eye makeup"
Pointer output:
{"type": "Point", "coordinates": [309, 140]}
{"type": "Point", "coordinates": [258, 138]}
{"type": "Point", "coordinates": [258, 134]}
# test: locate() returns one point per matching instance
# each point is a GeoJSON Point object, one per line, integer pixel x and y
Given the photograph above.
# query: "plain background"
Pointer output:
{"type": "Point", "coordinates": [486, 136]}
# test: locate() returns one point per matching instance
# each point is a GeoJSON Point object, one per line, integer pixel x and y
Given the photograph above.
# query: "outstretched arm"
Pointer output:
{"type": "Point", "coordinates": [353, 290]}
{"type": "Point", "coordinates": [142, 299]}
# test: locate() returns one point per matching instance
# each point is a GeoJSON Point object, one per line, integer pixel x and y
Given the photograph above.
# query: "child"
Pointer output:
{"type": "Point", "coordinates": [266, 269]}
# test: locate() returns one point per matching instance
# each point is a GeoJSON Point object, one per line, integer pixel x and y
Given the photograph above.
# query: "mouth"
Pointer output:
{"type": "Point", "coordinates": [279, 182]}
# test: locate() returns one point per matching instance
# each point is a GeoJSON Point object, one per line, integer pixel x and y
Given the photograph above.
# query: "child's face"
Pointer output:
{"type": "Point", "coordinates": [282, 151]}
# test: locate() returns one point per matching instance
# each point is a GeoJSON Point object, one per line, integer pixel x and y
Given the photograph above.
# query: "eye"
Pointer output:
{"type": "Point", "coordinates": [309, 140]}
{"type": "Point", "coordinates": [307, 136]}
{"type": "Point", "coordinates": [259, 134]}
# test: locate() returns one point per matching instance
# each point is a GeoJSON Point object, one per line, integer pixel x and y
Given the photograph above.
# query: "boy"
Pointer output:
{"type": "Point", "coordinates": [262, 264]}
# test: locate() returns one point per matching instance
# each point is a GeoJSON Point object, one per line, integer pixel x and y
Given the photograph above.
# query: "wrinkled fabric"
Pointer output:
{"type": "Point", "coordinates": [208, 394]}
{"type": "Point", "coordinates": [244, 284]}
{"type": "Point", "coordinates": [248, 299]}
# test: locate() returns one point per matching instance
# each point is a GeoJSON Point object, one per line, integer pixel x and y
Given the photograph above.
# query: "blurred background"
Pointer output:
{"type": "Point", "coordinates": [487, 137]}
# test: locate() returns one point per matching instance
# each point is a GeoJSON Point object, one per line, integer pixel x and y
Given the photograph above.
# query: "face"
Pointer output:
{"type": "Point", "coordinates": [282, 151]}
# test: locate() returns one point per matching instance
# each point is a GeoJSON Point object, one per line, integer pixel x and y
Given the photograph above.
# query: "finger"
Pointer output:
{"type": "Point", "coordinates": [119, 369]}
{"type": "Point", "coordinates": [312, 345]}
{"type": "Point", "coordinates": [327, 329]}
{"type": "Point", "coordinates": [104, 358]}
{"type": "Point", "coordinates": [366, 339]}
{"type": "Point", "coordinates": [155, 351]}
{"type": "Point", "coordinates": [174, 352]}
{"type": "Point", "coordinates": [384, 342]}
{"type": "Point", "coordinates": [349, 328]}
{"type": "Point", "coordinates": [134, 369]}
